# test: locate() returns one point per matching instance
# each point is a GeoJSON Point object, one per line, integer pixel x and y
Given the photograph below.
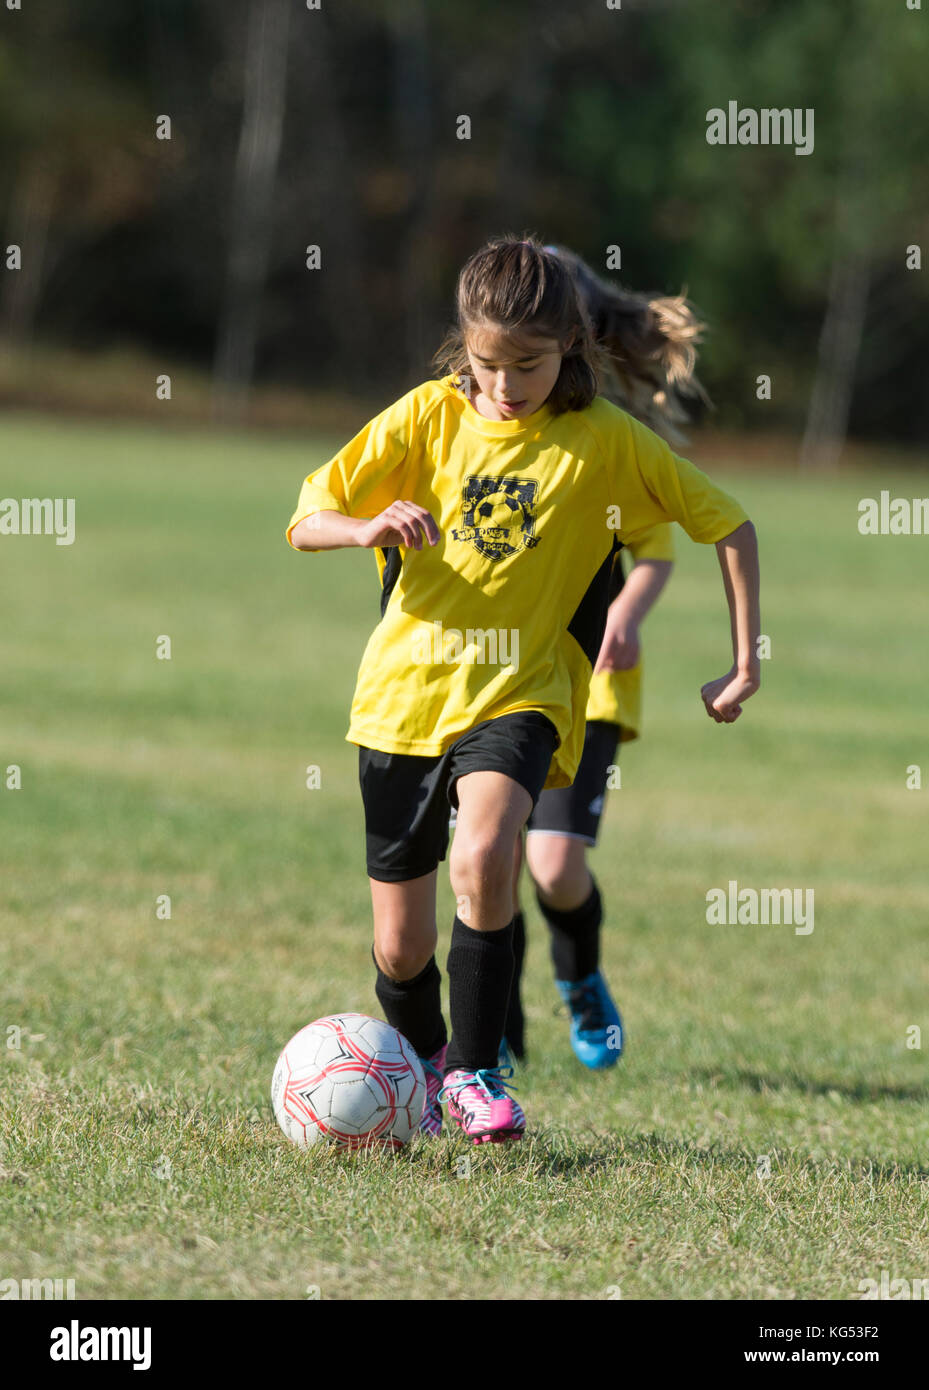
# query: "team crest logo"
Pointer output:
{"type": "Point", "coordinates": [498, 515]}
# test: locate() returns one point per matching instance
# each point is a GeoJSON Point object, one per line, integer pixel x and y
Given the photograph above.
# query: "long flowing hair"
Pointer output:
{"type": "Point", "coordinates": [650, 344]}
{"type": "Point", "coordinates": [638, 350]}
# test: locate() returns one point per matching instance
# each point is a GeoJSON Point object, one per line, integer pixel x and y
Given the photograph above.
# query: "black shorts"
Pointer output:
{"type": "Point", "coordinates": [406, 797]}
{"type": "Point", "coordinates": [575, 811]}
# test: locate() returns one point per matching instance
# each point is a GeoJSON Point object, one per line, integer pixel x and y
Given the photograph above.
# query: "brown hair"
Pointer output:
{"type": "Point", "coordinates": [516, 285]}
{"type": "Point", "coordinates": [650, 342]}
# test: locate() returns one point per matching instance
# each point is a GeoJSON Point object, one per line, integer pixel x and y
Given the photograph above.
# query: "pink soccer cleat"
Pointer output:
{"type": "Point", "coordinates": [434, 1066]}
{"type": "Point", "coordinates": [478, 1103]}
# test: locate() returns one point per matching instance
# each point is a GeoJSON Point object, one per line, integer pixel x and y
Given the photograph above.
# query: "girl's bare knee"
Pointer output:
{"type": "Point", "coordinates": [559, 869]}
{"type": "Point", "coordinates": [401, 959]}
{"type": "Point", "coordinates": [481, 865]}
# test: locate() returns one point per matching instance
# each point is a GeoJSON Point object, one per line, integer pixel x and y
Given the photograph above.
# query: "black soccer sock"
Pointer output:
{"type": "Point", "coordinates": [575, 936]}
{"type": "Point", "coordinates": [480, 971]}
{"type": "Point", "coordinates": [414, 1007]}
{"type": "Point", "coordinates": [514, 1029]}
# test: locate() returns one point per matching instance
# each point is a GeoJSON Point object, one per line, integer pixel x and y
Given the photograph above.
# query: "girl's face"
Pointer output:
{"type": "Point", "coordinates": [515, 374]}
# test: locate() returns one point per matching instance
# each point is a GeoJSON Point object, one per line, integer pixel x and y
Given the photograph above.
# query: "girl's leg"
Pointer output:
{"type": "Point", "coordinates": [408, 979]}
{"type": "Point", "coordinates": [492, 809]}
{"type": "Point", "coordinates": [405, 932]}
{"type": "Point", "coordinates": [570, 902]}
{"type": "Point", "coordinates": [558, 864]}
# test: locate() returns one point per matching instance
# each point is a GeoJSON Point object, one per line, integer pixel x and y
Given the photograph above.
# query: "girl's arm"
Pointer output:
{"type": "Point", "coordinates": [402, 523]}
{"type": "Point", "coordinates": [738, 560]}
{"type": "Point", "coordinates": [619, 650]}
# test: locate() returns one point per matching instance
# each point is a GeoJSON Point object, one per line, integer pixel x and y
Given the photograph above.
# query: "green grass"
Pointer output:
{"type": "Point", "coordinates": [138, 1153]}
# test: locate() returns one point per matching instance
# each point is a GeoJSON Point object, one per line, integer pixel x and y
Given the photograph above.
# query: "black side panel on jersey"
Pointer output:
{"type": "Point", "coordinates": [589, 620]}
{"type": "Point", "coordinates": [392, 564]}
{"type": "Point", "coordinates": [618, 575]}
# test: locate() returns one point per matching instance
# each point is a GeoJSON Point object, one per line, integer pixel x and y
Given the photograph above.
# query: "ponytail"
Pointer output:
{"type": "Point", "coordinates": [648, 348]}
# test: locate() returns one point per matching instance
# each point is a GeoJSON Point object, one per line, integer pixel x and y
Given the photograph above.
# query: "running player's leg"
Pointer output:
{"type": "Point", "coordinates": [569, 899]}
{"type": "Point", "coordinates": [499, 769]}
{"type": "Point", "coordinates": [492, 808]}
{"type": "Point", "coordinates": [559, 868]}
{"type": "Point", "coordinates": [405, 939]}
{"type": "Point", "coordinates": [406, 823]}
{"type": "Point", "coordinates": [405, 934]}
{"type": "Point", "coordinates": [408, 985]}
{"type": "Point", "coordinates": [564, 825]}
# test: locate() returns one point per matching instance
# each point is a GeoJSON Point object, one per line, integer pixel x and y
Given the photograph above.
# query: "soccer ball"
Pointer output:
{"type": "Point", "coordinates": [350, 1080]}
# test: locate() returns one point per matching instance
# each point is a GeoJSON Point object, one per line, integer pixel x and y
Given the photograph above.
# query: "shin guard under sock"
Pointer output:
{"type": "Point", "coordinates": [414, 1007]}
{"type": "Point", "coordinates": [575, 937]}
{"type": "Point", "coordinates": [480, 971]}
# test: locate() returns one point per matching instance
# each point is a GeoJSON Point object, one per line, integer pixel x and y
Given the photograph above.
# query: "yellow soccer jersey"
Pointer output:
{"type": "Point", "coordinates": [616, 696]}
{"type": "Point", "coordinates": [506, 612]}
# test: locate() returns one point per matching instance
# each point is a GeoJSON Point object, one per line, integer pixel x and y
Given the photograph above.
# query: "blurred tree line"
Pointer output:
{"type": "Point", "coordinates": [339, 126]}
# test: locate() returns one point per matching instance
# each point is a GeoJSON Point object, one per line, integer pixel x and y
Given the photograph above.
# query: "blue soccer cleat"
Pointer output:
{"type": "Point", "coordinates": [596, 1027]}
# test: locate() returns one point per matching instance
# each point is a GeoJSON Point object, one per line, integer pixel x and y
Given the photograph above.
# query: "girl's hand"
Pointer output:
{"type": "Point", "coordinates": [723, 698]}
{"type": "Point", "coordinates": [402, 523]}
{"type": "Point", "coordinates": [619, 650]}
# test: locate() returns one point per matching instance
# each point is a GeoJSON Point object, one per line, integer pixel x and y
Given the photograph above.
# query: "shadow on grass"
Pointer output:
{"type": "Point", "coordinates": [551, 1152]}
{"type": "Point", "coordinates": [854, 1090]}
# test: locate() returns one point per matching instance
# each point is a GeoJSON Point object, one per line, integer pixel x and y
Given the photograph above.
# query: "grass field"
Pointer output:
{"type": "Point", "coordinates": [138, 1152]}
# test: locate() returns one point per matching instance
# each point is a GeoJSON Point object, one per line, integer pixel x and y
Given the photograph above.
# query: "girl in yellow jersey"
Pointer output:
{"type": "Point", "coordinates": [493, 499]}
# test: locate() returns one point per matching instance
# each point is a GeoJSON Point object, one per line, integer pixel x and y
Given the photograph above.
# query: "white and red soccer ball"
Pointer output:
{"type": "Point", "coordinates": [349, 1080]}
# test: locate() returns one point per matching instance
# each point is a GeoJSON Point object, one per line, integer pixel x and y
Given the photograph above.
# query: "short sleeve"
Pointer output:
{"type": "Point", "coordinates": [657, 543]}
{"type": "Point", "coordinates": [682, 493]}
{"type": "Point", "coordinates": [365, 476]}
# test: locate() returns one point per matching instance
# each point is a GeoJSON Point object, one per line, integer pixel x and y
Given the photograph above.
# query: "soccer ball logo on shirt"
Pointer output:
{"type": "Point", "coordinates": [498, 515]}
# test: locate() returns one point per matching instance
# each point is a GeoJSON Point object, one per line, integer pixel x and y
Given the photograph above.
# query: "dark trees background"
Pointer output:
{"type": "Point", "coordinates": [338, 127]}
